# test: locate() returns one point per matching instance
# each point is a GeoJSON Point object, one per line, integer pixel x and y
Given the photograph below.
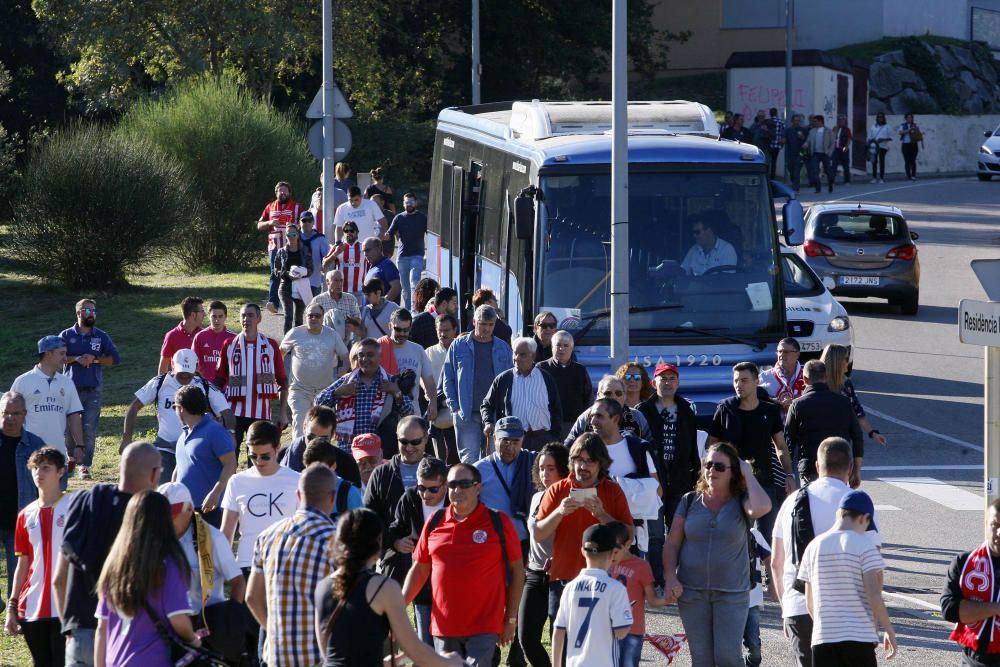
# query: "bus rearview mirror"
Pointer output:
{"type": "Point", "coordinates": [524, 218]}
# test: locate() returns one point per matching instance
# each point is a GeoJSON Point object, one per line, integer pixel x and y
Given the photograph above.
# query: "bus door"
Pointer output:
{"type": "Point", "coordinates": [467, 244]}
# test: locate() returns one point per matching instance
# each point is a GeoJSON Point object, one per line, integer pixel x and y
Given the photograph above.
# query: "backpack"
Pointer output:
{"type": "Point", "coordinates": [802, 531]}
{"type": "Point", "coordinates": [340, 503]}
{"type": "Point", "coordinates": [204, 387]}
{"type": "Point", "coordinates": [497, 526]}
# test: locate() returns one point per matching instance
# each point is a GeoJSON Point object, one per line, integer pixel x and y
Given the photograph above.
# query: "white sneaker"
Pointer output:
{"type": "Point", "coordinates": [874, 180]}
{"type": "Point", "coordinates": [271, 308]}
{"type": "Point", "coordinates": [881, 180]}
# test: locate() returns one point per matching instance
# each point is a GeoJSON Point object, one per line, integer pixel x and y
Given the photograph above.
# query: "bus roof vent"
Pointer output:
{"type": "Point", "coordinates": [536, 120]}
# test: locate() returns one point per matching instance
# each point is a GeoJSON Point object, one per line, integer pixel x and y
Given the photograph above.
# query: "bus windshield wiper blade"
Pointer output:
{"type": "Point", "coordinates": [594, 317]}
{"type": "Point", "coordinates": [756, 345]}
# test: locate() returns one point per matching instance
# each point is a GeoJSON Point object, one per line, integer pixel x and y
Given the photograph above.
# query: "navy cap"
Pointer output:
{"type": "Point", "coordinates": [599, 538]}
{"type": "Point", "coordinates": [306, 215]}
{"type": "Point", "coordinates": [859, 501]}
{"type": "Point", "coordinates": [49, 343]}
{"type": "Point", "coordinates": [509, 427]}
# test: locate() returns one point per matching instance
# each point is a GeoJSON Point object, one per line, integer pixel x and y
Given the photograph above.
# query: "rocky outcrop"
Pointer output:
{"type": "Point", "coordinates": [934, 78]}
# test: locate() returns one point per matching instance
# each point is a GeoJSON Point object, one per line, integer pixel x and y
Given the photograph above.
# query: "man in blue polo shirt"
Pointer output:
{"type": "Point", "coordinates": [88, 350]}
{"type": "Point", "coordinates": [206, 455]}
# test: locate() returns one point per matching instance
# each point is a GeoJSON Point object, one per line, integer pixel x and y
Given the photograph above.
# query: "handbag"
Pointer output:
{"type": "Point", "coordinates": [226, 621]}
{"type": "Point", "coordinates": [183, 654]}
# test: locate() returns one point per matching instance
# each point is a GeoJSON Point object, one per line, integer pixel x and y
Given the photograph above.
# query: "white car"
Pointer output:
{"type": "Point", "coordinates": [815, 318]}
{"type": "Point", "coordinates": [989, 156]}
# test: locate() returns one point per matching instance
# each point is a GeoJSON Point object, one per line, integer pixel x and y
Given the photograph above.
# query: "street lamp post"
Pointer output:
{"type": "Point", "coordinates": [329, 159]}
{"type": "Point", "coordinates": [619, 185]}
{"type": "Point", "coordinates": [476, 73]}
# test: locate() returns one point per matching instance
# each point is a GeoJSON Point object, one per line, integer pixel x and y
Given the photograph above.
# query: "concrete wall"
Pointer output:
{"type": "Point", "coordinates": [951, 143]}
{"type": "Point", "coordinates": [827, 25]}
{"type": "Point", "coordinates": [814, 91]}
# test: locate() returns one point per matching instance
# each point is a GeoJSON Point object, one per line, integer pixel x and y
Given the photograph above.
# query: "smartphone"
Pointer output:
{"type": "Point", "coordinates": [581, 495]}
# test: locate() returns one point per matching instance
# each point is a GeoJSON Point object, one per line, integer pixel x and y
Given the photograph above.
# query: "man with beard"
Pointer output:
{"type": "Point", "coordinates": [273, 220]}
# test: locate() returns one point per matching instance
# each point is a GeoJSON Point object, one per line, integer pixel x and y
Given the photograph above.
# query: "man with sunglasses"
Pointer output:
{"type": "Point", "coordinates": [349, 256]}
{"type": "Point", "coordinates": [633, 422]}
{"type": "Point", "coordinates": [401, 355]}
{"type": "Point", "coordinates": [709, 251]}
{"type": "Point", "coordinates": [544, 328]}
{"type": "Point", "coordinates": [320, 422]}
{"type": "Point", "coordinates": [364, 213]}
{"type": "Point", "coordinates": [481, 611]}
{"type": "Point", "coordinates": [314, 352]}
{"type": "Point", "coordinates": [88, 351]}
{"type": "Point", "coordinates": [338, 305]}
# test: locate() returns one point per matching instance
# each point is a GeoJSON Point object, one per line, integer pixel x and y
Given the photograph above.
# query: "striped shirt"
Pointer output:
{"type": "Point", "coordinates": [252, 405]}
{"type": "Point", "coordinates": [364, 402]}
{"type": "Point", "coordinates": [38, 536]}
{"type": "Point", "coordinates": [529, 400]}
{"type": "Point", "coordinates": [335, 313]}
{"type": "Point", "coordinates": [294, 555]}
{"type": "Point", "coordinates": [834, 565]}
{"type": "Point", "coordinates": [354, 266]}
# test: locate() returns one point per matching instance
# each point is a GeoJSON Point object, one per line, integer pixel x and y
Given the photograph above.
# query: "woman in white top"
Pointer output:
{"type": "Point", "coordinates": [880, 136]}
{"type": "Point", "coordinates": [911, 140]}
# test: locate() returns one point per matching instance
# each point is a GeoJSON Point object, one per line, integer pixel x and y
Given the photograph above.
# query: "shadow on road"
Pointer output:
{"type": "Point", "coordinates": [886, 311]}
{"type": "Point", "coordinates": [918, 385]}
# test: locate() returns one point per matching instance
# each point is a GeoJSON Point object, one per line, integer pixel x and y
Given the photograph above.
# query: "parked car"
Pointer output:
{"type": "Point", "coordinates": [989, 156]}
{"type": "Point", "coordinates": [867, 250]}
{"type": "Point", "coordinates": [815, 318]}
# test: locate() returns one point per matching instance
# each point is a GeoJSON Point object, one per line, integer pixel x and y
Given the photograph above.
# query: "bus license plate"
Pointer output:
{"type": "Point", "coordinates": [869, 281]}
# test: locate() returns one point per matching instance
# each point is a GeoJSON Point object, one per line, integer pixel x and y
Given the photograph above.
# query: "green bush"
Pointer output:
{"type": "Point", "coordinates": [403, 146]}
{"type": "Point", "coordinates": [94, 207]}
{"type": "Point", "coordinates": [235, 147]}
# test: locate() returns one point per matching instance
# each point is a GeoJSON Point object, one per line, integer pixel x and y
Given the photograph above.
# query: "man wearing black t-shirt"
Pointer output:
{"type": "Point", "coordinates": [753, 426]}
{"type": "Point", "coordinates": [92, 522]}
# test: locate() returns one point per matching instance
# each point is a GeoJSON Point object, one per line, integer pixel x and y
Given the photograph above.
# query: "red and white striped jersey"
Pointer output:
{"type": "Point", "coordinates": [280, 215]}
{"type": "Point", "coordinates": [38, 535]}
{"type": "Point", "coordinates": [354, 266]}
{"type": "Point", "coordinates": [252, 405]}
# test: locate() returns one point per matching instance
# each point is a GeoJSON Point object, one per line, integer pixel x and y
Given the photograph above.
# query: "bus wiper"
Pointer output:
{"type": "Point", "coordinates": [756, 345]}
{"type": "Point", "coordinates": [598, 315]}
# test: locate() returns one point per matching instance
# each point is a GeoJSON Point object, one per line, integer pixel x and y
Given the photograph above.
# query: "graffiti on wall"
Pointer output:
{"type": "Point", "coordinates": [751, 97]}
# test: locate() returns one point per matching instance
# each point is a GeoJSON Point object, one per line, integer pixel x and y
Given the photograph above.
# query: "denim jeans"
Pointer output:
{"type": "Point", "coordinates": [815, 160]}
{"type": "Point", "coordinates": [168, 461]}
{"type": "Point", "coordinates": [272, 286]}
{"type": "Point", "coordinates": [292, 307]}
{"type": "Point", "coordinates": [469, 434]}
{"type": "Point", "coordinates": [714, 622]}
{"type": "Point", "coordinates": [476, 649]}
{"type": "Point", "coordinates": [422, 614]}
{"type": "Point", "coordinates": [90, 397]}
{"type": "Point", "coordinates": [80, 648]}
{"type": "Point", "coordinates": [410, 269]}
{"type": "Point", "coordinates": [656, 540]}
{"type": "Point", "coordinates": [7, 539]}
{"type": "Point", "coordinates": [751, 637]}
{"type": "Point", "coordinates": [630, 651]}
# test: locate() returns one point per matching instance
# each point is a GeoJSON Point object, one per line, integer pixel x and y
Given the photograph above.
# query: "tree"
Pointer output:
{"type": "Point", "coordinates": [118, 50]}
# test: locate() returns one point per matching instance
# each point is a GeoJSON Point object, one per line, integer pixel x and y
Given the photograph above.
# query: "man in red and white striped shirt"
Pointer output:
{"type": "Point", "coordinates": [252, 373]}
{"type": "Point", "coordinates": [38, 537]}
{"type": "Point", "coordinates": [273, 220]}
{"type": "Point", "coordinates": [350, 259]}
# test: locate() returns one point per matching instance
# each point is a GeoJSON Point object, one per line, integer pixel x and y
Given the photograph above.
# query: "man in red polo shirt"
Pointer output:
{"type": "Point", "coordinates": [182, 336]}
{"type": "Point", "coordinates": [579, 501]}
{"type": "Point", "coordinates": [273, 220]}
{"type": "Point", "coordinates": [474, 601]}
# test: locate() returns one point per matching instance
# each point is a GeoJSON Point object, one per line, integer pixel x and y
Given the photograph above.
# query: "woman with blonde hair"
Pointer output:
{"type": "Point", "coordinates": [637, 384]}
{"type": "Point", "coordinates": [838, 360]}
{"type": "Point", "coordinates": [143, 588]}
{"type": "Point", "coordinates": [342, 176]}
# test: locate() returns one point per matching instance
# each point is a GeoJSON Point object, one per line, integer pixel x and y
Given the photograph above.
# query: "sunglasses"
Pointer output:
{"type": "Point", "coordinates": [410, 443]}
{"type": "Point", "coordinates": [89, 311]}
{"type": "Point", "coordinates": [428, 489]}
{"type": "Point", "coordinates": [462, 484]}
{"type": "Point", "coordinates": [632, 376]}
{"type": "Point", "coordinates": [402, 330]}
{"type": "Point", "coordinates": [259, 457]}
{"type": "Point", "coordinates": [717, 466]}
{"type": "Point", "coordinates": [608, 392]}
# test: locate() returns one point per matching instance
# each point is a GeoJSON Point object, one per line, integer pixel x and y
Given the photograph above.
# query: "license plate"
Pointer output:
{"type": "Point", "coordinates": [811, 346]}
{"type": "Point", "coordinates": [871, 281]}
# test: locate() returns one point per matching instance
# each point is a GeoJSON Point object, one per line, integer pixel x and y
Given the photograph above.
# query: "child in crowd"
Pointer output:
{"type": "Point", "coordinates": [637, 577]}
{"type": "Point", "coordinates": [594, 612]}
{"type": "Point", "coordinates": [38, 537]}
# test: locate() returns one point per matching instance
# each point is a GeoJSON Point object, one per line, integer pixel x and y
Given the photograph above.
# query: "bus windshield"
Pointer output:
{"type": "Point", "coordinates": [702, 256]}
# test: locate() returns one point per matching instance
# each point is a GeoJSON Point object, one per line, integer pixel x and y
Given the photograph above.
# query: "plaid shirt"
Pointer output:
{"type": "Point", "coordinates": [363, 402]}
{"type": "Point", "coordinates": [294, 555]}
{"type": "Point", "coordinates": [778, 127]}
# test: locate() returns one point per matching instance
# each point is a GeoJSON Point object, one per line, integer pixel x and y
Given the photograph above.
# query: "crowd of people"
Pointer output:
{"type": "Point", "coordinates": [818, 146]}
{"type": "Point", "coordinates": [475, 476]}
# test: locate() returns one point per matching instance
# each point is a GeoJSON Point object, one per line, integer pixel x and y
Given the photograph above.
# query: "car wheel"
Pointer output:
{"type": "Point", "coordinates": [910, 303]}
{"type": "Point", "coordinates": [984, 177]}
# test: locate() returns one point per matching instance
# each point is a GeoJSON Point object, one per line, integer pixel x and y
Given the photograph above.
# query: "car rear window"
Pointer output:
{"type": "Point", "coordinates": [860, 227]}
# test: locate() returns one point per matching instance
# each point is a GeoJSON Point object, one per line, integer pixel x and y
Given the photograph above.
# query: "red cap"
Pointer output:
{"type": "Point", "coordinates": [665, 368]}
{"type": "Point", "coordinates": [366, 444]}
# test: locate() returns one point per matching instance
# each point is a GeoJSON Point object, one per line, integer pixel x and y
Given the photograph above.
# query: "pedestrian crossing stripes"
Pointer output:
{"type": "Point", "coordinates": [939, 492]}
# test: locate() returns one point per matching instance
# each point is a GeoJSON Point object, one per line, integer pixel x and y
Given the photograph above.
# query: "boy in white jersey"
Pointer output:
{"type": "Point", "coordinates": [594, 612]}
{"type": "Point", "coordinates": [38, 537]}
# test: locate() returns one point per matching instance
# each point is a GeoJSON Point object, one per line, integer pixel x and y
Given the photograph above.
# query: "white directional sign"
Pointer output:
{"type": "Point", "coordinates": [979, 322]}
{"type": "Point", "coordinates": [341, 109]}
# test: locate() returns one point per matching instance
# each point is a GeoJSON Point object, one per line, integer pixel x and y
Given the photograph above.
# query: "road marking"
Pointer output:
{"type": "Point", "coordinates": [890, 468]}
{"type": "Point", "coordinates": [886, 508]}
{"type": "Point", "coordinates": [859, 195]}
{"type": "Point", "coordinates": [921, 429]}
{"type": "Point", "coordinates": [937, 491]}
{"type": "Point", "coordinates": [913, 600]}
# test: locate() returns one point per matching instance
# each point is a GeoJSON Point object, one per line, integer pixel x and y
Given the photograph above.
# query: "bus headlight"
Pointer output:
{"type": "Point", "coordinates": [839, 323]}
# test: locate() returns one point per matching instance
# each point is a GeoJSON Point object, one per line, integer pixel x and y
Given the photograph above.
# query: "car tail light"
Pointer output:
{"type": "Point", "coordinates": [907, 252]}
{"type": "Point", "coordinates": [814, 249]}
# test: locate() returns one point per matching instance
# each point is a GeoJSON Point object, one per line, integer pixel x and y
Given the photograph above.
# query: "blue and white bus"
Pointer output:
{"type": "Point", "coordinates": [520, 202]}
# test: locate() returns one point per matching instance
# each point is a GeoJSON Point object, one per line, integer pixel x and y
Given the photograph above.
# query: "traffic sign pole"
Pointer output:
{"type": "Point", "coordinates": [329, 162]}
{"type": "Point", "coordinates": [991, 428]}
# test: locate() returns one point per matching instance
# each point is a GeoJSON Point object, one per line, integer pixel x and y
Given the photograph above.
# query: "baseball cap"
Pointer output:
{"type": "Point", "coordinates": [599, 538]}
{"type": "Point", "coordinates": [49, 343]}
{"type": "Point", "coordinates": [509, 427]}
{"type": "Point", "coordinates": [859, 501]}
{"type": "Point", "coordinates": [185, 361]}
{"type": "Point", "coordinates": [306, 215]}
{"type": "Point", "coordinates": [665, 368]}
{"type": "Point", "coordinates": [366, 444]}
{"type": "Point", "coordinates": [177, 494]}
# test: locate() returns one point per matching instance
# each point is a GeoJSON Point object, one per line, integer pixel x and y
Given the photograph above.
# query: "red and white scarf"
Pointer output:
{"type": "Point", "coordinates": [979, 583]}
{"type": "Point", "coordinates": [793, 386]}
{"type": "Point", "coordinates": [244, 371]}
{"type": "Point", "coordinates": [389, 364]}
{"type": "Point", "coordinates": [346, 409]}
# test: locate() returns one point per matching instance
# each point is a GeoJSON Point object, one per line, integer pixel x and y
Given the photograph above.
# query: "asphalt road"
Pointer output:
{"type": "Point", "coordinates": [923, 389]}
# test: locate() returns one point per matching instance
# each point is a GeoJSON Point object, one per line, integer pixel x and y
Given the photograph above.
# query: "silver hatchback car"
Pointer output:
{"type": "Point", "coordinates": [866, 249]}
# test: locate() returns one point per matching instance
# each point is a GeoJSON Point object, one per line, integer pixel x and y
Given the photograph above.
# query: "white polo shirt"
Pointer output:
{"type": "Point", "coordinates": [49, 401]}
{"type": "Point", "coordinates": [167, 422]}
